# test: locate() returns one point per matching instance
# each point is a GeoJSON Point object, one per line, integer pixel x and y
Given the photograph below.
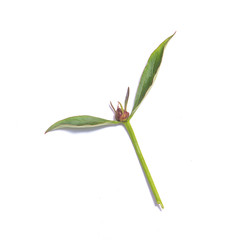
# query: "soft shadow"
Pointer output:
{"type": "Point", "coordinates": [83, 130]}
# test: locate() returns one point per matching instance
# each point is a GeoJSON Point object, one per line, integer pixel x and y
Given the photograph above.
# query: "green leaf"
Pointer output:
{"type": "Point", "coordinates": [149, 74]}
{"type": "Point", "coordinates": [83, 121]}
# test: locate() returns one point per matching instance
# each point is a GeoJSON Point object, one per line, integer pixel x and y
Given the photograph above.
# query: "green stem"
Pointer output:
{"type": "Point", "coordinates": [143, 163]}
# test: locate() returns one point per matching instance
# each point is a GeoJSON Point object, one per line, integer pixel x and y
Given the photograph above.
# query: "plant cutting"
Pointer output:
{"type": "Point", "coordinates": [122, 116]}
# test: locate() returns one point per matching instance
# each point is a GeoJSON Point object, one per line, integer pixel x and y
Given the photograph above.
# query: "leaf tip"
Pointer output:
{"type": "Point", "coordinates": [48, 130]}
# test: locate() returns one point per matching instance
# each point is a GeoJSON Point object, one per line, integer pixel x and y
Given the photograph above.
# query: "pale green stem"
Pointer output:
{"type": "Point", "coordinates": [143, 163]}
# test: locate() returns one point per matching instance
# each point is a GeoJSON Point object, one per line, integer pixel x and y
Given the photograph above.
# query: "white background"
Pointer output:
{"type": "Point", "coordinates": [66, 58]}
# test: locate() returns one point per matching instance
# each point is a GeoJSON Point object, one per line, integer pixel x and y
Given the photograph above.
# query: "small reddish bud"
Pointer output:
{"type": "Point", "coordinates": [121, 115]}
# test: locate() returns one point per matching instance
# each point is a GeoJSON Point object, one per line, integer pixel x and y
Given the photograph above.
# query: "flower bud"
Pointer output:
{"type": "Point", "coordinates": [121, 115]}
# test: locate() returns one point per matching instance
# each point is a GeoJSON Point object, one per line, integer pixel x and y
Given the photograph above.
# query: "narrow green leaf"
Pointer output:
{"type": "Point", "coordinates": [149, 74]}
{"type": "Point", "coordinates": [83, 121]}
{"type": "Point", "coordinates": [126, 99]}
